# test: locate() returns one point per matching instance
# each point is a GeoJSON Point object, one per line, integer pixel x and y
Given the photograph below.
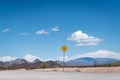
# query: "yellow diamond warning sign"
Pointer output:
{"type": "Point", "coordinates": [64, 48]}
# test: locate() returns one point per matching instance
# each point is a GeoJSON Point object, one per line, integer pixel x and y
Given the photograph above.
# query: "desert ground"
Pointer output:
{"type": "Point", "coordinates": [100, 73]}
{"type": "Point", "coordinates": [87, 69]}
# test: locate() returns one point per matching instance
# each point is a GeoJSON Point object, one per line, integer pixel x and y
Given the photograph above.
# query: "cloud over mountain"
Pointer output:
{"type": "Point", "coordinates": [30, 57]}
{"type": "Point", "coordinates": [83, 39]}
{"type": "Point", "coordinates": [7, 58]}
{"type": "Point", "coordinates": [99, 54]}
{"type": "Point", "coordinates": [96, 54]}
{"type": "Point", "coordinates": [27, 57]}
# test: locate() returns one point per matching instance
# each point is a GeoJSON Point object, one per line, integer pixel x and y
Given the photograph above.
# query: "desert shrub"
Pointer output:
{"type": "Point", "coordinates": [44, 65]}
{"type": "Point", "coordinates": [77, 70]}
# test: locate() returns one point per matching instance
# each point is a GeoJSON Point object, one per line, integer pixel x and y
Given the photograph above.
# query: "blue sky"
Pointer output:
{"type": "Point", "coordinates": [41, 27]}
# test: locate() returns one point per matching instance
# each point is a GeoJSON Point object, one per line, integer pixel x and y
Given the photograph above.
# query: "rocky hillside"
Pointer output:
{"type": "Point", "coordinates": [22, 63]}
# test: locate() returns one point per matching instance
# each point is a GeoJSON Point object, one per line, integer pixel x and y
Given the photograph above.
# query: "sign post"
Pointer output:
{"type": "Point", "coordinates": [64, 49]}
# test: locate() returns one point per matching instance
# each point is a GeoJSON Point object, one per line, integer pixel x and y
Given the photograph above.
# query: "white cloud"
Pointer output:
{"type": "Point", "coordinates": [56, 28]}
{"type": "Point", "coordinates": [23, 33]}
{"type": "Point", "coordinates": [83, 39]}
{"type": "Point", "coordinates": [61, 58]}
{"type": "Point", "coordinates": [7, 58]}
{"type": "Point", "coordinates": [42, 32]}
{"type": "Point", "coordinates": [30, 57]}
{"type": "Point", "coordinates": [6, 30]}
{"type": "Point", "coordinates": [99, 54]}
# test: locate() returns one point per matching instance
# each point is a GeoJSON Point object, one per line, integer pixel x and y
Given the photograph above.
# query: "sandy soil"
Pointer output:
{"type": "Point", "coordinates": [88, 69]}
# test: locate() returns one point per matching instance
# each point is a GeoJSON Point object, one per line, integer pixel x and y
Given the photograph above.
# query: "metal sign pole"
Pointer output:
{"type": "Point", "coordinates": [63, 61]}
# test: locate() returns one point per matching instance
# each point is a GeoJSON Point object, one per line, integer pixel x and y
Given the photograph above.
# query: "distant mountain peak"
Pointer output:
{"type": "Point", "coordinates": [20, 61]}
{"type": "Point", "coordinates": [36, 60]}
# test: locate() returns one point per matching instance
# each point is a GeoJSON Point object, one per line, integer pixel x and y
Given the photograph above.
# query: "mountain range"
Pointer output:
{"type": "Point", "coordinates": [22, 63]}
{"type": "Point", "coordinates": [94, 58]}
{"type": "Point", "coordinates": [100, 57]}
{"type": "Point", "coordinates": [87, 61]}
{"type": "Point", "coordinates": [36, 64]}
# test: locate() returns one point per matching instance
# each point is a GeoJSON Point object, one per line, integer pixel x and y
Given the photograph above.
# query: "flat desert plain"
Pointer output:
{"type": "Point", "coordinates": [57, 74]}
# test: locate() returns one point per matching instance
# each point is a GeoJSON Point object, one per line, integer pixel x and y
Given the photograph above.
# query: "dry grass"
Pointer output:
{"type": "Point", "coordinates": [78, 70]}
{"type": "Point", "coordinates": [89, 69]}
